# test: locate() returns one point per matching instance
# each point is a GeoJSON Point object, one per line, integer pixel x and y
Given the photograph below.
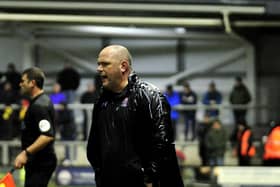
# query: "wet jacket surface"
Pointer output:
{"type": "Point", "coordinates": [131, 138]}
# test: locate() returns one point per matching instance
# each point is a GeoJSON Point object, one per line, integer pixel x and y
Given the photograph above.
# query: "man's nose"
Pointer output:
{"type": "Point", "coordinates": [99, 68]}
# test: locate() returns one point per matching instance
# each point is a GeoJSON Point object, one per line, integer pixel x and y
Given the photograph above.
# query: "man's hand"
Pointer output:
{"type": "Point", "coordinates": [20, 160]}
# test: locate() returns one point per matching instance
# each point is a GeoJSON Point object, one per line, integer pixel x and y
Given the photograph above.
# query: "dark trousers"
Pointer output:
{"type": "Point", "coordinates": [174, 125]}
{"type": "Point", "coordinates": [244, 161]}
{"type": "Point", "coordinates": [239, 115]}
{"type": "Point", "coordinates": [271, 162]}
{"type": "Point", "coordinates": [170, 173]}
{"type": "Point", "coordinates": [190, 122]}
{"type": "Point", "coordinates": [38, 176]}
{"type": "Point", "coordinates": [203, 155]}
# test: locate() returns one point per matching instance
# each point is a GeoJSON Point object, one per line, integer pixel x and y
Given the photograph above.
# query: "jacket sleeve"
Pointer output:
{"type": "Point", "coordinates": [162, 133]}
{"type": "Point", "coordinates": [92, 146]}
{"type": "Point", "coordinates": [205, 99]}
{"type": "Point", "coordinates": [219, 98]}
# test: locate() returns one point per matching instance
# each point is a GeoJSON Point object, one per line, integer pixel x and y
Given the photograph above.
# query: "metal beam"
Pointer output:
{"type": "Point", "coordinates": [227, 59]}
{"type": "Point", "coordinates": [86, 65]}
{"type": "Point", "coordinates": [147, 7]}
{"type": "Point", "coordinates": [267, 23]}
{"type": "Point", "coordinates": [112, 20]}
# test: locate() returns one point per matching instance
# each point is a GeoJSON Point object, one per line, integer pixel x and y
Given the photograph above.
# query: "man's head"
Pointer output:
{"type": "Point", "coordinates": [11, 67]}
{"type": "Point", "coordinates": [32, 79]}
{"type": "Point", "coordinates": [241, 124]}
{"type": "Point", "coordinates": [238, 81]}
{"type": "Point", "coordinates": [212, 86]}
{"type": "Point", "coordinates": [114, 67]}
{"type": "Point", "coordinates": [187, 87]}
{"type": "Point", "coordinates": [56, 88]}
{"type": "Point", "coordinates": [169, 89]}
{"type": "Point", "coordinates": [91, 87]}
{"type": "Point", "coordinates": [217, 124]}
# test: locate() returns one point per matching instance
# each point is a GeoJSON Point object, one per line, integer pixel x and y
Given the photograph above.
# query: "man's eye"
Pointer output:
{"type": "Point", "coordinates": [104, 64]}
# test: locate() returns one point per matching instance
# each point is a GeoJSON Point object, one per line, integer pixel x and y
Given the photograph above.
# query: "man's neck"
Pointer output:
{"type": "Point", "coordinates": [121, 87]}
{"type": "Point", "coordinates": [36, 92]}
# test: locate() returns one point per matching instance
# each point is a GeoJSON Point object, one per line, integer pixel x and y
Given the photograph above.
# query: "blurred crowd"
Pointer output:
{"type": "Point", "coordinates": [210, 132]}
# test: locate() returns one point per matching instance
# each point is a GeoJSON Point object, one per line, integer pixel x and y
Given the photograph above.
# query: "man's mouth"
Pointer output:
{"type": "Point", "coordinates": [103, 77]}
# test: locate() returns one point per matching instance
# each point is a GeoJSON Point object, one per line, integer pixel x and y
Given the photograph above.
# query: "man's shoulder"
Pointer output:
{"type": "Point", "coordinates": [42, 101]}
{"type": "Point", "coordinates": [146, 86]}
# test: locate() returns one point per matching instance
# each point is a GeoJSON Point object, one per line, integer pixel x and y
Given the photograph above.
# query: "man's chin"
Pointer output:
{"type": "Point", "coordinates": [23, 93]}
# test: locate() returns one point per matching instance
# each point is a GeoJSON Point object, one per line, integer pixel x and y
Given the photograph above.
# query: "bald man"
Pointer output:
{"type": "Point", "coordinates": [131, 137]}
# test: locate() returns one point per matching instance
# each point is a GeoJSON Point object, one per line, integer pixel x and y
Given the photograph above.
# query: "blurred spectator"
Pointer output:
{"type": "Point", "coordinates": [239, 96]}
{"type": "Point", "coordinates": [271, 156]}
{"type": "Point", "coordinates": [12, 76]}
{"type": "Point", "coordinates": [8, 127]}
{"type": "Point", "coordinates": [189, 97]}
{"type": "Point", "coordinates": [8, 95]}
{"type": "Point", "coordinates": [173, 98]}
{"type": "Point", "coordinates": [67, 127]}
{"type": "Point", "coordinates": [211, 98]}
{"type": "Point", "coordinates": [216, 140]}
{"type": "Point", "coordinates": [69, 80]}
{"type": "Point", "coordinates": [9, 116]}
{"type": "Point", "coordinates": [57, 97]}
{"type": "Point", "coordinates": [7, 121]}
{"type": "Point", "coordinates": [66, 123]}
{"type": "Point", "coordinates": [203, 129]}
{"type": "Point", "coordinates": [245, 148]}
{"type": "Point", "coordinates": [90, 96]}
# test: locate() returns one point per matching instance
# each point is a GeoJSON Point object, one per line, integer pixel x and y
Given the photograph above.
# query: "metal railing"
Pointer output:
{"type": "Point", "coordinates": [6, 145]}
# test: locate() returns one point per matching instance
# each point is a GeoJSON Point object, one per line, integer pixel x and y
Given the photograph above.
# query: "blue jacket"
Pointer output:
{"type": "Point", "coordinates": [173, 99]}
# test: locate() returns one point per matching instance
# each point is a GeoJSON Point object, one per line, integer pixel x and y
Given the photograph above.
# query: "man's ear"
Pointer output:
{"type": "Point", "coordinates": [33, 82]}
{"type": "Point", "coordinates": [124, 66]}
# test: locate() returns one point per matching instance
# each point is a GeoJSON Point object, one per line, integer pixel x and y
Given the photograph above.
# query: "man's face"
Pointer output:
{"type": "Point", "coordinates": [26, 85]}
{"type": "Point", "coordinates": [109, 68]}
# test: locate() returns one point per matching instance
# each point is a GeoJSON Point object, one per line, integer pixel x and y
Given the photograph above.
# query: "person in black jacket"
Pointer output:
{"type": "Point", "coordinates": [239, 96]}
{"type": "Point", "coordinates": [131, 137]}
{"type": "Point", "coordinates": [88, 97]}
{"type": "Point", "coordinates": [189, 97]}
{"type": "Point", "coordinates": [37, 156]}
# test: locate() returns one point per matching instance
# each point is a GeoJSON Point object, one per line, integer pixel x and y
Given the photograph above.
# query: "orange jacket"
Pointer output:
{"type": "Point", "coordinates": [246, 149]}
{"type": "Point", "coordinates": [272, 145]}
